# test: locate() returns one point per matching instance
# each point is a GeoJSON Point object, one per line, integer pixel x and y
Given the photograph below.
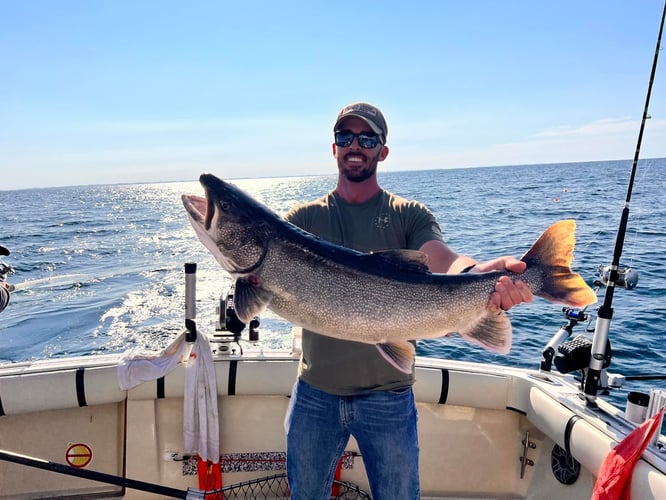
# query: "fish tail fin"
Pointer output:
{"type": "Point", "coordinates": [399, 354]}
{"type": "Point", "coordinates": [553, 253]}
{"type": "Point", "coordinates": [491, 330]}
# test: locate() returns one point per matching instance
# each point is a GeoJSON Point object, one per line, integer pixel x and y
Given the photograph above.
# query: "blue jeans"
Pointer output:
{"type": "Point", "coordinates": [318, 426]}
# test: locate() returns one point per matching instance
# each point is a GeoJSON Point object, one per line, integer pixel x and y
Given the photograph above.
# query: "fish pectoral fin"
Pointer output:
{"type": "Point", "coordinates": [491, 330]}
{"type": "Point", "coordinates": [398, 354]}
{"type": "Point", "coordinates": [249, 300]}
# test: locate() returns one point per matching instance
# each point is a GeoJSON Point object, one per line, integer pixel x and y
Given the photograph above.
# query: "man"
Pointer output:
{"type": "Point", "coordinates": [5, 288]}
{"type": "Point", "coordinates": [347, 388]}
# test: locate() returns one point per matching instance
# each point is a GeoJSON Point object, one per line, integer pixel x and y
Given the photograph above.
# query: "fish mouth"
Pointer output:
{"type": "Point", "coordinates": [210, 211]}
{"type": "Point", "coordinates": [201, 211]}
{"type": "Point", "coordinates": [211, 184]}
{"type": "Point", "coordinates": [197, 208]}
{"type": "Point", "coordinates": [201, 208]}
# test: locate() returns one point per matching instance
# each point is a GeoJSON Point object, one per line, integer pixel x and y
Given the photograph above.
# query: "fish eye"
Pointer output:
{"type": "Point", "coordinates": [225, 205]}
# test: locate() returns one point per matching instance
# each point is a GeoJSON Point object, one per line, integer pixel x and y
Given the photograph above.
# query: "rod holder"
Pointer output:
{"type": "Point", "coordinates": [190, 290]}
{"type": "Point", "coordinates": [190, 301]}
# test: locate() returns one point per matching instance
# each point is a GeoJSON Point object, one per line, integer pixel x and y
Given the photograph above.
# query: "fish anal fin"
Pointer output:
{"type": "Point", "coordinates": [249, 300]}
{"type": "Point", "coordinates": [491, 330]}
{"type": "Point", "coordinates": [399, 354]}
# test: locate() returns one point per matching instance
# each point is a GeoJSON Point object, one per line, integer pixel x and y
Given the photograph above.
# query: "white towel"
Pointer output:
{"type": "Point", "coordinates": [138, 366]}
{"type": "Point", "coordinates": [201, 430]}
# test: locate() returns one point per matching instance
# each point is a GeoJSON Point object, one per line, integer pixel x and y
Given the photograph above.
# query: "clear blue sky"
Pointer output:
{"type": "Point", "coordinates": [112, 91]}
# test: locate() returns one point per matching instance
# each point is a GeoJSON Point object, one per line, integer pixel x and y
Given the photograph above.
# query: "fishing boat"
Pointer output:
{"type": "Point", "coordinates": [203, 418]}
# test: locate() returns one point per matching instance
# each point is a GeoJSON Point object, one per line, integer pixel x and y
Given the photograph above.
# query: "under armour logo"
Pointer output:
{"type": "Point", "coordinates": [382, 221]}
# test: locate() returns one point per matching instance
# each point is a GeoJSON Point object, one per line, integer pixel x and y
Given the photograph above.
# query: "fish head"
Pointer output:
{"type": "Point", "coordinates": [230, 224]}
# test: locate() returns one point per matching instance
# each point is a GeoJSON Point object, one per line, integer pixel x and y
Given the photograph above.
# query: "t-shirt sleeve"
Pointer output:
{"type": "Point", "coordinates": [423, 226]}
{"type": "Point", "coordinates": [296, 216]}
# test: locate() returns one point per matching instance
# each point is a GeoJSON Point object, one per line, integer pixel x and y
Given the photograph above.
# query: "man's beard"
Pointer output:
{"type": "Point", "coordinates": [360, 175]}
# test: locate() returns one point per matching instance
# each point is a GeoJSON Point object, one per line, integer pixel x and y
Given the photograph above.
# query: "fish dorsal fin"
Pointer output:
{"type": "Point", "coordinates": [403, 259]}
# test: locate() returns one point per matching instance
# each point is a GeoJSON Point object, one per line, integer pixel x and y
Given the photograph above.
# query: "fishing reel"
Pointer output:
{"type": "Point", "coordinates": [5, 288]}
{"type": "Point", "coordinates": [229, 326]}
{"type": "Point", "coordinates": [575, 354]}
{"type": "Point", "coordinates": [626, 277]}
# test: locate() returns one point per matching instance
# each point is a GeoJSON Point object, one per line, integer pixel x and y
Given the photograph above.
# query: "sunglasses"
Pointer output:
{"type": "Point", "coordinates": [344, 139]}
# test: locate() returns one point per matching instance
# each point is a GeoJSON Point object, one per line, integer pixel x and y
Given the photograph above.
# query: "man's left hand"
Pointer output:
{"type": "Point", "coordinates": [508, 292]}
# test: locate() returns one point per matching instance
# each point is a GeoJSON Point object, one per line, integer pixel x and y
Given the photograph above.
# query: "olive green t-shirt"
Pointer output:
{"type": "Point", "coordinates": [385, 222]}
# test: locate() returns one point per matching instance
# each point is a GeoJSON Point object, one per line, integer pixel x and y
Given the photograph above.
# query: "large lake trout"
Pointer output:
{"type": "Point", "coordinates": [385, 298]}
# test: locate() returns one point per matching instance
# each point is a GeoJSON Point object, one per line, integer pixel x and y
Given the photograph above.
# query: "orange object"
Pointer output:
{"type": "Point", "coordinates": [614, 481]}
{"type": "Point", "coordinates": [210, 477]}
{"type": "Point", "coordinates": [335, 488]}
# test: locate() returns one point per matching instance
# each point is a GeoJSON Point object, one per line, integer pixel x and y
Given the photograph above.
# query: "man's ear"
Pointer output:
{"type": "Point", "coordinates": [383, 153]}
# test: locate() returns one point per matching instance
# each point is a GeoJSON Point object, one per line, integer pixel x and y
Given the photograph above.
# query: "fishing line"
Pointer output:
{"type": "Point", "coordinates": [638, 212]}
{"type": "Point", "coordinates": [605, 313]}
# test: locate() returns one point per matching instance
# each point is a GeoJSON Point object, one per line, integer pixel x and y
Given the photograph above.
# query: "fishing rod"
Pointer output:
{"type": "Point", "coordinates": [103, 477]}
{"type": "Point", "coordinates": [605, 313]}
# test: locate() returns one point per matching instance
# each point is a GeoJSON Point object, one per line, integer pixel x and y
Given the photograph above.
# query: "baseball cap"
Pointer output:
{"type": "Point", "coordinates": [366, 112]}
